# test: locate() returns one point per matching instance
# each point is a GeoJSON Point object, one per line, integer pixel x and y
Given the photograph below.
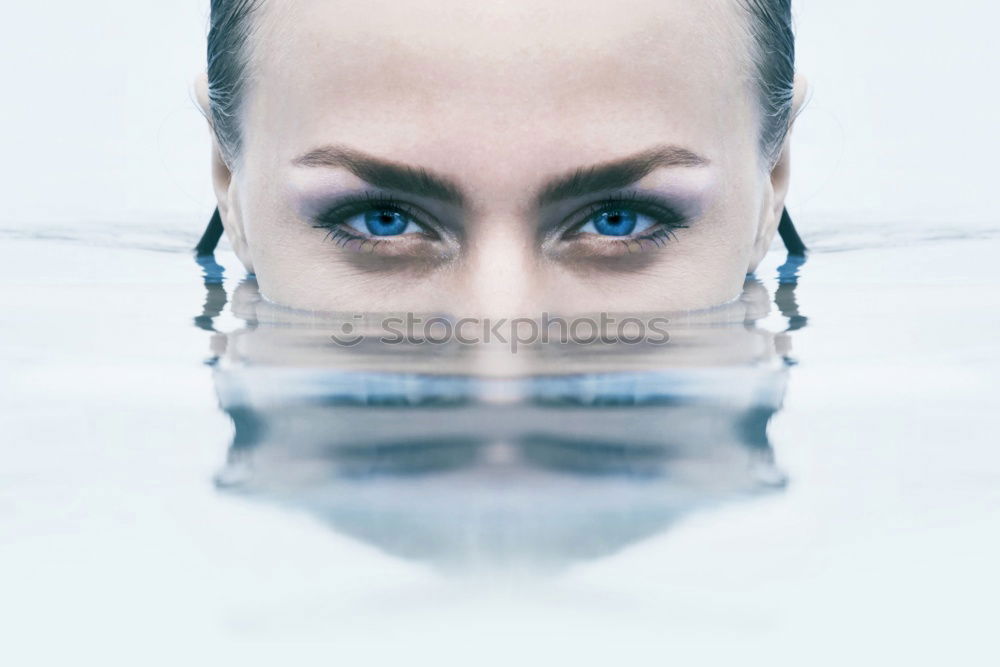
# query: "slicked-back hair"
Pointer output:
{"type": "Point", "coordinates": [774, 63]}
{"type": "Point", "coordinates": [232, 27]}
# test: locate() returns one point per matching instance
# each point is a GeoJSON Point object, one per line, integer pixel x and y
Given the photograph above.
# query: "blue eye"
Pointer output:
{"type": "Point", "coordinates": [382, 222]}
{"type": "Point", "coordinates": [617, 222]}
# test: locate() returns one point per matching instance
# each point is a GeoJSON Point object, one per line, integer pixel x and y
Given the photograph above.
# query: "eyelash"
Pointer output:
{"type": "Point", "coordinates": [668, 220]}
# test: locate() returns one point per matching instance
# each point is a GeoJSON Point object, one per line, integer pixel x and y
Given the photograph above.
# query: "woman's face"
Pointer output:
{"type": "Point", "coordinates": [500, 158]}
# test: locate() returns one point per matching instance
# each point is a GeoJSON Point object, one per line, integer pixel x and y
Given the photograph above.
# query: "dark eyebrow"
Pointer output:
{"type": "Point", "coordinates": [617, 173]}
{"type": "Point", "coordinates": [384, 173]}
{"type": "Point", "coordinates": [417, 180]}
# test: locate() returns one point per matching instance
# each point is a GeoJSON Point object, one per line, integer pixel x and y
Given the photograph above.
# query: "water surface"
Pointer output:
{"type": "Point", "coordinates": [181, 460]}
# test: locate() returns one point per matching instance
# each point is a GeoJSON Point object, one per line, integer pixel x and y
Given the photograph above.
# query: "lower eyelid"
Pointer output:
{"type": "Point", "coordinates": [409, 246]}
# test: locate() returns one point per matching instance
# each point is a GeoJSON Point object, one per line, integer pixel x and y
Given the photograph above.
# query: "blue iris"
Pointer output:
{"type": "Point", "coordinates": [385, 223]}
{"type": "Point", "coordinates": [616, 223]}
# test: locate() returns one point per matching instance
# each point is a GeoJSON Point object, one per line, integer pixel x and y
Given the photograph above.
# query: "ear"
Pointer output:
{"type": "Point", "coordinates": [223, 182]}
{"type": "Point", "coordinates": [780, 177]}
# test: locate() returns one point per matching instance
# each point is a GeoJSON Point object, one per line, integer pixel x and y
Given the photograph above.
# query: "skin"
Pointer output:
{"type": "Point", "coordinates": [501, 99]}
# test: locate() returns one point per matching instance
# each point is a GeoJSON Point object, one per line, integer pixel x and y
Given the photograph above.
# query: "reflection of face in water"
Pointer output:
{"type": "Point", "coordinates": [574, 453]}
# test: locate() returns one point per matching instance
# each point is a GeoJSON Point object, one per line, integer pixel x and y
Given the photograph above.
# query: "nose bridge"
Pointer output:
{"type": "Point", "coordinates": [501, 271]}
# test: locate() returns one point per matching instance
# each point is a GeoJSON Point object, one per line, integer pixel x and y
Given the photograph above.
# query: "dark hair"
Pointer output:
{"type": "Point", "coordinates": [229, 33]}
{"type": "Point", "coordinates": [232, 27]}
{"type": "Point", "coordinates": [774, 59]}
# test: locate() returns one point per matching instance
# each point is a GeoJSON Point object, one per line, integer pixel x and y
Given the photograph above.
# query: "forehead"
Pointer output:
{"type": "Point", "coordinates": [424, 77]}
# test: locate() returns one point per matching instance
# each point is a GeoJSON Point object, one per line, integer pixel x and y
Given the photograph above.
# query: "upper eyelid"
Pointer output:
{"type": "Point", "coordinates": [599, 207]}
{"type": "Point", "coordinates": [372, 200]}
